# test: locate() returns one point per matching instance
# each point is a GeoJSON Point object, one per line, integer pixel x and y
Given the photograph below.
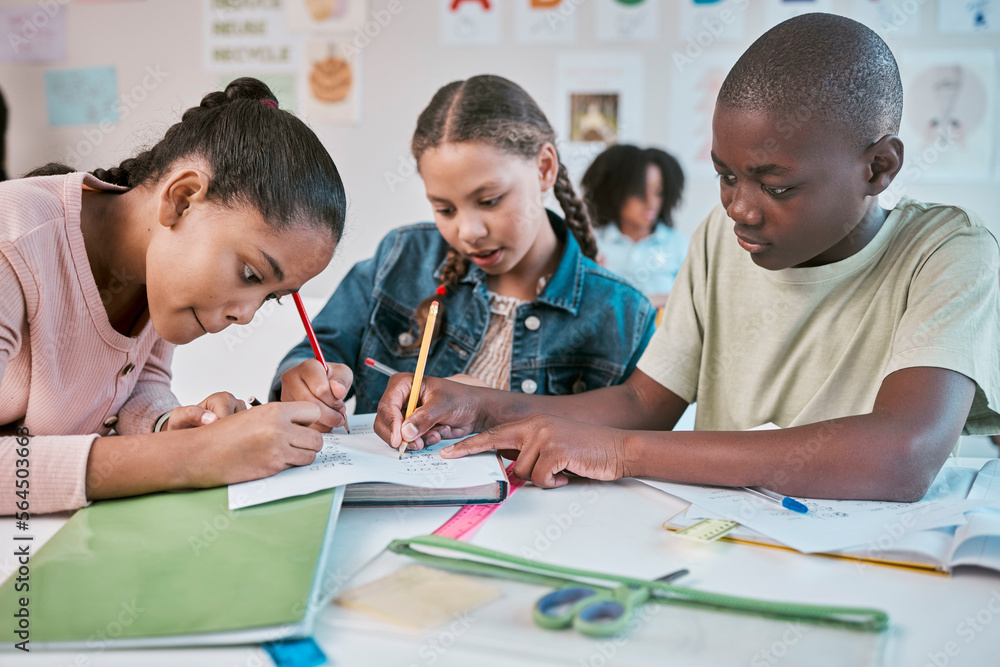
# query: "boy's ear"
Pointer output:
{"type": "Point", "coordinates": [883, 159]}
{"type": "Point", "coordinates": [548, 166]}
{"type": "Point", "coordinates": [178, 192]}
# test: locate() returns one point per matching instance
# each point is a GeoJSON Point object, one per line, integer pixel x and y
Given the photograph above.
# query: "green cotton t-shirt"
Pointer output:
{"type": "Point", "coordinates": [802, 345]}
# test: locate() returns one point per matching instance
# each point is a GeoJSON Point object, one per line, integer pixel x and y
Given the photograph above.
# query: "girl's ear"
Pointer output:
{"type": "Point", "coordinates": [548, 166]}
{"type": "Point", "coordinates": [883, 160]}
{"type": "Point", "coordinates": [178, 192]}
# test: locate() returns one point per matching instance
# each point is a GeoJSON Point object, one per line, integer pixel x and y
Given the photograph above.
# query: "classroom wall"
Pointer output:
{"type": "Point", "coordinates": [156, 46]}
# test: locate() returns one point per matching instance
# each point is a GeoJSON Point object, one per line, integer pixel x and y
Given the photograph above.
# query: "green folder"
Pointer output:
{"type": "Point", "coordinates": [178, 569]}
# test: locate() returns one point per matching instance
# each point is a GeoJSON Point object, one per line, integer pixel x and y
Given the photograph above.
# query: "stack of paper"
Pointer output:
{"type": "Point", "coordinates": [959, 497]}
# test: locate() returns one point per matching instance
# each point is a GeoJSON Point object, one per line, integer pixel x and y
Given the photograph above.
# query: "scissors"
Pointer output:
{"type": "Point", "coordinates": [595, 612]}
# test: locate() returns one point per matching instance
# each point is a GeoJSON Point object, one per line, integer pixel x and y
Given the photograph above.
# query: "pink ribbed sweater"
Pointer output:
{"type": "Point", "coordinates": [65, 373]}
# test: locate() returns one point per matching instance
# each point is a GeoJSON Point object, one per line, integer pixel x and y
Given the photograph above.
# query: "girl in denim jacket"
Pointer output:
{"type": "Point", "coordinates": [523, 305]}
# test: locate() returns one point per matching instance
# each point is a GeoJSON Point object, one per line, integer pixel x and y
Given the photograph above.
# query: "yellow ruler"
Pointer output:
{"type": "Point", "coordinates": [707, 530]}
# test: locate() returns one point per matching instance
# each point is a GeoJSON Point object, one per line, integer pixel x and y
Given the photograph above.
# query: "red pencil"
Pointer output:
{"type": "Point", "coordinates": [309, 331]}
{"type": "Point", "coordinates": [311, 335]}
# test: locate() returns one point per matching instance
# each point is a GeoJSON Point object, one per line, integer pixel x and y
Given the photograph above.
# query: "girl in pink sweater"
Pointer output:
{"type": "Point", "coordinates": [100, 275]}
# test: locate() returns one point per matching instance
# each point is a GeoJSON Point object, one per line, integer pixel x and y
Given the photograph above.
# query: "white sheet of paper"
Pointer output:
{"type": "Point", "coordinates": [987, 485]}
{"type": "Point", "coordinates": [584, 525]}
{"type": "Point", "coordinates": [836, 524]}
{"type": "Point", "coordinates": [978, 541]}
{"type": "Point", "coordinates": [363, 457]}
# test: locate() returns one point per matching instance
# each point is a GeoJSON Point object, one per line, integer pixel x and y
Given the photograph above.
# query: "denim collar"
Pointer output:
{"type": "Point", "coordinates": [563, 289]}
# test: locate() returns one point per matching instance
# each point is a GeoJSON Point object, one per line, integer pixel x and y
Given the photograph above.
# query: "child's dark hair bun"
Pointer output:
{"type": "Point", "coordinates": [244, 88]}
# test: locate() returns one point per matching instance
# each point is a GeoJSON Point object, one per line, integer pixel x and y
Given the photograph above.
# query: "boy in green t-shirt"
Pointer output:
{"type": "Point", "coordinates": [870, 336]}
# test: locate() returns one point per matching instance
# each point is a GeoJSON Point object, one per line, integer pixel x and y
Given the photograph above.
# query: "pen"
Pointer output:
{"type": "Point", "coordinates": [253, 402]}
{"type": "Point", "coordinates": [380, 367]}
{"type": "Point", "coordinates": [418, 376]}
{"type": "Point", "coordinates": [784, 501]}
{"type": "Point", "coordinates": [311, 335]}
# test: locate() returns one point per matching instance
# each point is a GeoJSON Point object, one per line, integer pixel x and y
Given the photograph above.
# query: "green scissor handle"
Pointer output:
{"type": "Point", "coordinates": [592, 611]}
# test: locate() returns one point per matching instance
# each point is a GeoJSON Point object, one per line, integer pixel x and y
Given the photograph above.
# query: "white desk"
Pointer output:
{"type": "Point", "coordinates": [929, 612]}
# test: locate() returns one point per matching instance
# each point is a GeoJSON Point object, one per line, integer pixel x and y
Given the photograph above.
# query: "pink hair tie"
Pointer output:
{"type": "Point", "coordinates": [270, 103]}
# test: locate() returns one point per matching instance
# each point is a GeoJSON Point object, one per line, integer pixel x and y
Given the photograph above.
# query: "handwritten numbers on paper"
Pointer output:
{"type": "Point", "coordinates": [425, 463]}
{"type": "Point", "coordinates": [331, 456]}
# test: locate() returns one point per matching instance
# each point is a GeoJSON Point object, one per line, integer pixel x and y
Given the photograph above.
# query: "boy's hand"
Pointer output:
{"type": "Point", "coordinates": [550, 447]}
{"type": "Point", "coordinates": [254, 444]}
{"type": "Point", "coordinates": [218, 405]}
{"type": "Point", "coordinates": [309, 382]}
{"type": "Point", "coordinates": [446, 410]}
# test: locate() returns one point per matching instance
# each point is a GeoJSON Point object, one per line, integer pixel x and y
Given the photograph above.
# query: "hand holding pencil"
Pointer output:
{"type": "Point", "coordinates": [418, 376]}
{"type": "Point", "coordinates": [315, 381]}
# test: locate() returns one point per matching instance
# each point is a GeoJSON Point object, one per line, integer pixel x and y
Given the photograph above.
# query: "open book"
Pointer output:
{"type": "Point", "coordinates": [973, 541]}
{"type": "Point", "coordinates": [377, 477]}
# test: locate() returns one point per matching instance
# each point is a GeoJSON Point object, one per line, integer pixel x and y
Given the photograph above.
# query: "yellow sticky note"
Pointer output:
{"type": "Point", "coordinates": [419, 597]}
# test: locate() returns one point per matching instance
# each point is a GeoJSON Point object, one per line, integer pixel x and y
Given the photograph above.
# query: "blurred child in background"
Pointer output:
{"type": "Point", "coordinates": [631, 193]}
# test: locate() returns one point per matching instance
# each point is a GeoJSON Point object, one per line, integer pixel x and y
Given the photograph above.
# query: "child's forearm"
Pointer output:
{"type": "Point", "coordinates": [639, 403]}
{"type": "Point", "coordinates": [129, 465]}
{"type": "Point", "coordinates": [860, 457]}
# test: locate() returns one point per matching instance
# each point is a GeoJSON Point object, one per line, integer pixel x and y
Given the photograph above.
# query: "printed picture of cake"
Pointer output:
{"type": "Point", "coordinates": [321, 10]}
{"type": "Point", "coordinates": [330, 80]}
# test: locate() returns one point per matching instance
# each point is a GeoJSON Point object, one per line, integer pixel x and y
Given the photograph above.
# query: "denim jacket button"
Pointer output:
{"type": "Point", "coordinates": [532, 323]}
{"type": "Point", "coordinates": [405, 339]}
{"type": "Point", "coordinates": [529, 386]}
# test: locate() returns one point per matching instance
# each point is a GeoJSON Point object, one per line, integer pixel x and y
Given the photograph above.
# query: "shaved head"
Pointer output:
{"type": "Point", "coordinates": [821, 68]}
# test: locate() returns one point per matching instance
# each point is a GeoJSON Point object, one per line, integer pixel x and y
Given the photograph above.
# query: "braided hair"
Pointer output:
{"type": "Point", "coordinates": [497, 112]}
{"type": "Point", "coordinates": [258, 156]}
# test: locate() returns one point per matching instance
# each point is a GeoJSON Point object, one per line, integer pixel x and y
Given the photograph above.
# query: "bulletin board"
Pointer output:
{"type": "Point", "coordinates": [89, 83]}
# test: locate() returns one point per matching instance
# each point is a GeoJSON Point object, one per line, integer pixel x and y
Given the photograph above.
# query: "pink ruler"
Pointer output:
{"type": "Point", "coordinates": [467, 520]}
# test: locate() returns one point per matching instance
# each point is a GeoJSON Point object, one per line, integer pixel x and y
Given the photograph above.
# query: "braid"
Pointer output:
{"type": "Point", "coordinates": [123, 173]}
{"type": "Point", "coordinates": [455, 268]}
{"type": "Point", "coordinates": [577, 218]}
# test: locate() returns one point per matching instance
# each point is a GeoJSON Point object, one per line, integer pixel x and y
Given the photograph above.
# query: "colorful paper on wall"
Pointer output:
{"type": "Point", "coordinates": [949, 115]}
{"type": "Point", "coordinates": [84, 96]}
{"type": "Point", "coordinates": [341, 15]}
{"type": "Point", "coordinates": [965, 18]}
{"type": "Point", "coordinates": [694, 87]}
{"type": "Point", "coordinates": [469, 22]}
{"type": "Point", "coordinates": [599, 101]}
{"type": "Point", "coordinates": [246, 36]}
{"type": "Point", "coordinates": [330, 82]}
{"type": "Point", "coordinates": [776, 11]}
{"type": "Point", "coordinates": [545, 21]}
{"type": "Point", "coordinates": [703, 24]}
{"type": "Point", "coordinates": [890, 18]}
{"type": "Point", "coordinates": [33, 33]}
{"type": "Point", "coordinates": [629, 21]}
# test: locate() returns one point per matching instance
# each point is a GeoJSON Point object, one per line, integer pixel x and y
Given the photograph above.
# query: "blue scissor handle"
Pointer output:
{"type": "Point", "coordinates": [597, 612]}
{"type": "Point", "coordinates": [556, 609]}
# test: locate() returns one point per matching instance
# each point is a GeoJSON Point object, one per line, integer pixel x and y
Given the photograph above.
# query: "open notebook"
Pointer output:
{"type": "Point", "coordinates": [378, 477]}
{"type": "Point", "coordinates": [974, 542]}
{"type": "Point", "coordinates": [180, 569]}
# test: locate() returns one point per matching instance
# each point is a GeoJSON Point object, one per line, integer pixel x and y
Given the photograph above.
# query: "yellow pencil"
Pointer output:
{"type": "Point", "coordinates": [418, 376]}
